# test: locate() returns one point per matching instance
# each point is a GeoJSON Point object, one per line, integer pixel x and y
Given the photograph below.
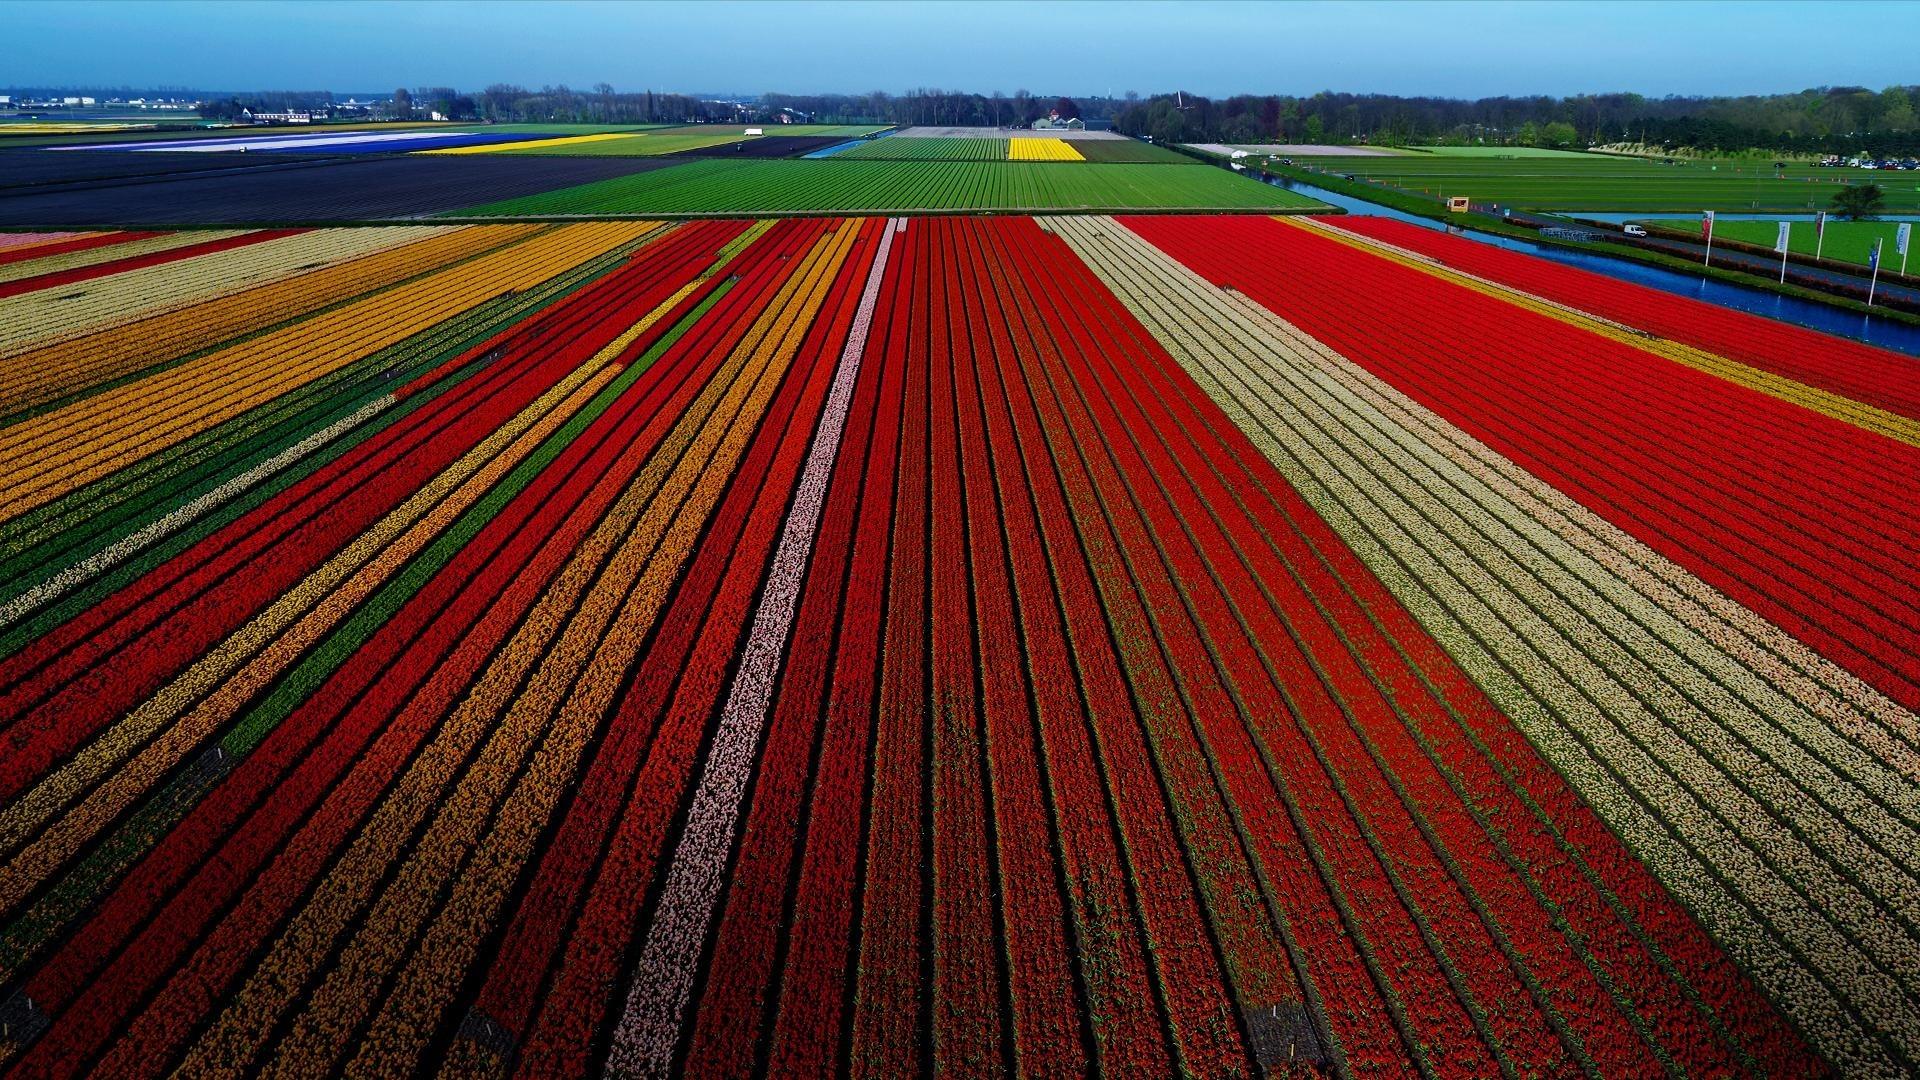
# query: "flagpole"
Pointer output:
{"type": "Point", "coordinates": [1819, 234]}
{"type": "Point", "coordinates": [1786, 241]}
{"type": "Point", "coordinates": [1874, 283]}
{"type": "Point", "coordinates": [1709, 258]}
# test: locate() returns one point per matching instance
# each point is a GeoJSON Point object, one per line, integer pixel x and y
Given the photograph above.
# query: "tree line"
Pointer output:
{"type": "Point", "coordinates": [1824, 119]}
{"type": "Point", "coordinates": [1842, 119]}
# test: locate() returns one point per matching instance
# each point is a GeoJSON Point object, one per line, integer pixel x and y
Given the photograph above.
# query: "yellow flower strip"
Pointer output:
{"type": "Point", "coordinates": [1838, 406]}
{"type": "Point", "coordinates": [69, 447]}
{"type": "Point", "coordinates": [73, 260]}
{"type": "Point", "coordinates": [59, 368]}
{"type": "Point", "coordinates": [335, 338]}
{"type": "Point", "coordinates": [292, 624]}
{"type": "Point", "coordinates": [532, 144]}
{"type": "Point", "coordinates": [40, 319]}
{"type": "Point", "coordinates": [1025, 149]}
{"type": "Point", "coordinates": [606, 563]}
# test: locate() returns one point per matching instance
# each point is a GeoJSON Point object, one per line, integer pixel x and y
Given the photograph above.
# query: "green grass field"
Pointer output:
{"type": "Point", "coordinates": [1847, 241]}
{"type": "Point", "coordinates": [1594, 182]}
{"type": "Point", "coordinates": [833, 186]}
{"type": "Point", "coordinates": [1103, 150]}
{"type": "Point", "coordinates": [927, 150]}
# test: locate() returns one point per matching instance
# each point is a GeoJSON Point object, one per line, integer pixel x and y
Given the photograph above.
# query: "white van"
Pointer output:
{"type": "Point", "coordinates": [1634, 230]}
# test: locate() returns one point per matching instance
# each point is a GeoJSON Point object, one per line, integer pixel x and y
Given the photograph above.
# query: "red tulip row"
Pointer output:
{"type": "Point", "coordinates": [584, 902]}
{"type": "Point", "coordinates": [317, 765]}
{"type": "Point", "coordinates": [1673, 455]}
{"type": "Point", "coordinates": [70, 683]}
{"type": "Point", "coordinates": [83, 242]}
{"type": "Point", "coordinates": [1879, 377]}
{"type": "Point", "coordinates": [57, 278]}
{"type": "Point", "coordinates": [732, 1010]}
{"type": "Point", "coordinates": [835, 657]}
{"type": "Point", "coordinates": [1093, 747]}
{"type": "Point", "coordinates": [1505, 782]}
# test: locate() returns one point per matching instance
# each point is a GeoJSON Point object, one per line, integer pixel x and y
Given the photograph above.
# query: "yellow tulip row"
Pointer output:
{"type": "Point", "coordinates": [43, 317]}
{"type": "Point", "coordinates": [1023, 149]}
{"type": "Point", "coordinates": [72, 446]}
{"type": "Point", "coordinates": [60, 368]}
{"type": "Point", "coordinates": [570, 653]}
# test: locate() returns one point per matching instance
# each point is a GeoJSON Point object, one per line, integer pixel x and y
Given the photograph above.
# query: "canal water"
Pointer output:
{"type": "Point", "coordinates": [1872, 329]}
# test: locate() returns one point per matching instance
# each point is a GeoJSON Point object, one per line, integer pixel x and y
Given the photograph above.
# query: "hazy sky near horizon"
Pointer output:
{"type": "Point", "coordinates": [1213, 47]}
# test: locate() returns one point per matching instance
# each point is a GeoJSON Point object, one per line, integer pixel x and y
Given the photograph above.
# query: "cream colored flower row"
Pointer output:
{"type": "Point", "coordinates": [1793, 845]}
{"type": "Point", "coordinates": [40, 318]}
{"type": "Point", "coordinates": [570, 654]}
{"type": "Point", "coordinates": [75, 260]}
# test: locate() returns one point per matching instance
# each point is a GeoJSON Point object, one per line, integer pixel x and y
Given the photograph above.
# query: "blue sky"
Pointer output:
{"type": "Point", "coordinates": [1209, 47]}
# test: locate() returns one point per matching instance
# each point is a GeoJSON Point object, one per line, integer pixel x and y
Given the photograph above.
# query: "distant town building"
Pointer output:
{"type": "Point", "coordinates": [290, 116]}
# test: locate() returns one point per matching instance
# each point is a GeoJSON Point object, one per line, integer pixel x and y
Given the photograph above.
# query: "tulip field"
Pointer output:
{"type": "Point", "coordinates": [1185, 644]}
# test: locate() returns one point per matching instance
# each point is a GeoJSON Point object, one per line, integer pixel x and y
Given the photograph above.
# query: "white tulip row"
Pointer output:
{"type": "Point", "coordinates": [1736, 764]}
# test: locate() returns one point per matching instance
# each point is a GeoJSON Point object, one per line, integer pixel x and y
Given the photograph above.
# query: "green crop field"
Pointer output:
{"type": "Point", "coordinates": [1847, 241]}
{"type": "Point", "coordinates": [832, 186]}
{"type": "Point", "coordinates": [1132, 150]}
{"type": "Point", "coordinates": [1102, 150]}
{"type": "Point", "coordinates": [928, 150]}
{"type": "Point", "coordinates": [1595, 182]}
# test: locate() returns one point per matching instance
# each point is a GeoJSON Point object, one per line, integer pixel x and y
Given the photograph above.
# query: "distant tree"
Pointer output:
{"type": "Point", "coordinates": [1857, 201]}
{"type": "Point", "coordinates": [402, 104]}
{"type": "Point", "coordinates": [1315, 129]}
{"type": "Point", "coordinates": [223, 109]}
{"type": "Point", "coordinates": [1558, 135]}
{"type": "Point", "coordinates": [1067, 109]}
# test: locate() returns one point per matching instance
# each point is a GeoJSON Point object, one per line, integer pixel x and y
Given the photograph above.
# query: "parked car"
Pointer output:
{"type": "Point", "coordinates": [1634, 230]}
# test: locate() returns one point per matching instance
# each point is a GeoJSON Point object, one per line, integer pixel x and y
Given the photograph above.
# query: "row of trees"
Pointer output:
{"type": "Point", "coordinates": [940, 108]}
{"type": "Point", "coordinates": [1826, 119]}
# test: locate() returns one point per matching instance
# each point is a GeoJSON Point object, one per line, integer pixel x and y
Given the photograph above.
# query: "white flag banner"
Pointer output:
{"type": "Point", "coordinates": [1900, 237]}
{"type": "Point", "coordinates": [1780, 243]}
